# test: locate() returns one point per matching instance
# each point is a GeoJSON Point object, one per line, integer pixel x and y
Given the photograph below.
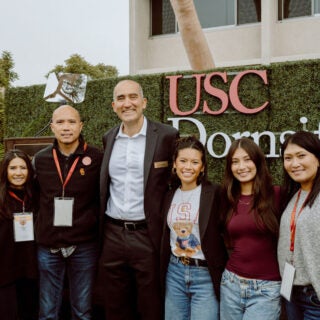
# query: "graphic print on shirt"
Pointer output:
{"type": "Point", "coordinates": [183, 221]}
{"type": "Point", "coordinates": [187, 244]}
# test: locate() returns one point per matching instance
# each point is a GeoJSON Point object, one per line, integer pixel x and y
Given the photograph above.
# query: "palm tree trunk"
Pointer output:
{"type": "Point", "coordinates": [194, 40]}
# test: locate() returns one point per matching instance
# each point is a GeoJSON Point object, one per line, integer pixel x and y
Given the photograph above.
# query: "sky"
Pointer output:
{"type": "Point", "coordinates": [43, 33]}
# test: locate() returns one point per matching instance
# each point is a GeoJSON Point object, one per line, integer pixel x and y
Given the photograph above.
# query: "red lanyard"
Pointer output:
{"type": "Point", "coordinates": [13, 195]}
{"type": "Point", "coordinates": [75, 162]}
{"type": "Point", "coordinates": [293, 221]}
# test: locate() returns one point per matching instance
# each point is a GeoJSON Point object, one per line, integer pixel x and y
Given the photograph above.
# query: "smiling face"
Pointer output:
{"type": "Point", "coordinates": [66, 125]}
{"type": "Point", "coordinates": [17, 173]}
{"type": "Point", "coordinates": [301, 165]}
{"type": "Point", "coordinates": [129, 104]}
{"type": "Point", "coordinates": [243, 168]}
{"type": "Point", "coordinates": [188, 165]}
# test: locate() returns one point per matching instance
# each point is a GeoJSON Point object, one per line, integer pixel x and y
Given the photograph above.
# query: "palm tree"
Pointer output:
{"type": "Point", "coordinates": [192, 35]}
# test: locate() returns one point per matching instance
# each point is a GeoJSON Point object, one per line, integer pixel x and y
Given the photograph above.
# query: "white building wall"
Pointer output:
{"type": "Point", "coordinates": [260, 43]}
{"type": "Point", "coordinates": [297, 37]}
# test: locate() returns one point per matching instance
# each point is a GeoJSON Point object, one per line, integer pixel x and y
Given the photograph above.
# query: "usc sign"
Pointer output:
{"type": "Point", "coordinates": [209, 139]}
{"type": "Point", "coordinates": [218, 93]}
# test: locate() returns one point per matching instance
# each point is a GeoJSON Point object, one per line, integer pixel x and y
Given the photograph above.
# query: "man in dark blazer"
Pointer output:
{"type": "Point", "coordinates": [133, 181]}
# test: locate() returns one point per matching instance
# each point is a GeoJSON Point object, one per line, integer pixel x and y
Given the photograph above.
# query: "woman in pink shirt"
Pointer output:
{"type": "Point", "coordinates": [250, 285]}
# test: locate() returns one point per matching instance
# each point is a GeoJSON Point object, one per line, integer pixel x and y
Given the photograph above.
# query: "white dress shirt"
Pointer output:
{"type": "Point", "coordinates": [126, 169]}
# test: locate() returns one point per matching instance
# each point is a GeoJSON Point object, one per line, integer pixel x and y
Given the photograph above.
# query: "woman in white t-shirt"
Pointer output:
{"type": "Point", "coordinates": [193, 253]}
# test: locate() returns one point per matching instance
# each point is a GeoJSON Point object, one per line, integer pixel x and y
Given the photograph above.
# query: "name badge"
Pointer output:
{"type": "Point", "coordinates": [287, 281]}
{"type": "Point", "coordinates": [23, 226]}
{"type": "Point", "coordinates": [161, 164]}
{"type": "Point", "coordinates": [63, 212]}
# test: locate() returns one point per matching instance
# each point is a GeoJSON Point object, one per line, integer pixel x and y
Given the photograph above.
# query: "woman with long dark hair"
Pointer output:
{"type": "Point", "coordinates": [299, 241]}
{"type": "Point", "coordinates": [18, 268]}
{"type": "Point", "coordinates": [193, 253]}
{"type": "Point", "coordinates": [250, 286]}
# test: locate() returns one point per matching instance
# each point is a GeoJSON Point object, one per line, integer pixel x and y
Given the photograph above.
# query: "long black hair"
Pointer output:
{"type": "Point", "coordinates": [5, 185]}
{"type": "Point", "coordinates": [310, 142]}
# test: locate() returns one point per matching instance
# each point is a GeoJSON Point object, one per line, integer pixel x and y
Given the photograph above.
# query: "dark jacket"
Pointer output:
{"type": "Point", "coordinates": [212, 243]}
{"type": "Point", "coordinates": [160, 141]}
{"type": "Point", "coordinates": [18, 259]}
{"type": "Point", "coordinates": [83, 186]}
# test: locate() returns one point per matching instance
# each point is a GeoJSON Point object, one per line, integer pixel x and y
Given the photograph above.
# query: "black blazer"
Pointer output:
{"type": "Point", "coordinates": [212, 243]}
{"type": "Point", "coordinates": [160, 140]}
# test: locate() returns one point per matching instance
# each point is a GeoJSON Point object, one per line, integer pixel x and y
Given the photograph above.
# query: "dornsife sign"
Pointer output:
{"type": "Point", "coordinates": [233, 97]}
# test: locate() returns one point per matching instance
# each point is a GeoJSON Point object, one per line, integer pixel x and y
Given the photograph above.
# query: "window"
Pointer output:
{"type": "Point", "coordinates": [317, 6]}
{"type": "Point", "coordinates": [248, 11]}
{"type": "Point", "coordinates": [163, 20]}
{"type": "Point", "coordinates": [210, 13]}
{"type": "Point", "coordinates": [298, 8]}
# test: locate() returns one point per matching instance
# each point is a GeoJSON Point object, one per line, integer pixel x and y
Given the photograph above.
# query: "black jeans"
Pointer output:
{"type": "Point", "coordinates": [304, 304]}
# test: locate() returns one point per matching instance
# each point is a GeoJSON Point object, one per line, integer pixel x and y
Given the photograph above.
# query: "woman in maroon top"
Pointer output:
{"type": "Point", "coordinates": [250, 285]}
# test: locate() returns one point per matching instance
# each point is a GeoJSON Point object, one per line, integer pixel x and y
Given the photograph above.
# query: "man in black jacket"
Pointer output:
{"type": "Point", "coordinates": [67, 219]}
{"type": "Point", "coordinates": [134, 176]}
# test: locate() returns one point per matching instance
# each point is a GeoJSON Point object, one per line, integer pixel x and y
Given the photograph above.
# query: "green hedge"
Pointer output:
{"type": "Point", "coordinates": [1, 125]}
{"type": "Point", "coordinates": [292, 91]}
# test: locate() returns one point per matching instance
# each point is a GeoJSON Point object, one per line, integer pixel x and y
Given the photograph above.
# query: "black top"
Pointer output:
{"type": "Point", "coordinates": [18, 259]}
{"type": "Point", "coordinates": [83, 186]}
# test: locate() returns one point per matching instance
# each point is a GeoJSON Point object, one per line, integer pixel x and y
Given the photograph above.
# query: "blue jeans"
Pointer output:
{"type": "Point", "coordinates": [189, 293]}
{"type": "Point", "coordinates": [249, 299]}
{"type": "Point", "coordinates": [304, 304]}
{"type": "Point", "coordinates": [80, 268]}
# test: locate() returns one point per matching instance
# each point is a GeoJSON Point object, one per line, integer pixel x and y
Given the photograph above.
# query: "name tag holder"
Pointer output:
{"type": "Point", "coordinates": [287, 281]}
{"type": "Point", "coordinates": [63, 206]}
{"type": "Point", "coordinates": [23, 226]}
{"type": "Point", "coordinates": [63, 211]}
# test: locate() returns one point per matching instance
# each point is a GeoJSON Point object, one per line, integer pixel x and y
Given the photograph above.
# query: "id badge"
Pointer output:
{"type": "Point", "coordinates": [63, 212]}
{"type": "Point", "coordinates": [287, 280]}
{"type": "Point", "coordinates": [23, 226]}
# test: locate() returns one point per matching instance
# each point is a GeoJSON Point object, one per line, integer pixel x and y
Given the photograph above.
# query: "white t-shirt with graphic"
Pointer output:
{"type": "Point", "coordinates": [183, 221]}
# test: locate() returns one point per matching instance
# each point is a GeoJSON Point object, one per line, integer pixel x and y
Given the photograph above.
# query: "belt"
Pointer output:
{"type": "Point", "coordinates": [192, 262]}
{"type": "Point", "coordinates": [128, 225]}
{"type": "Point", "coordinates": [304, 289]}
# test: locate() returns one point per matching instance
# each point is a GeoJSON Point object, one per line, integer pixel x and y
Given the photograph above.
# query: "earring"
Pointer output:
{"type": "Point", "coordinates": [174, 170]}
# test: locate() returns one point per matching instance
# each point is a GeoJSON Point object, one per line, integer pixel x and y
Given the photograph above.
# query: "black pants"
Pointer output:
{"type": "Point", "coordinates": [8, 302]}
{"type": "Point", "coordinates": [19, 300]}
{"type": "Point", "coordinates": [130, 274]}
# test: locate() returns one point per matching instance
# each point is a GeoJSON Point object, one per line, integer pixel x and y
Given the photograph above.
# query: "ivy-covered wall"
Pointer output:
{"type": "Point", "coordinates": [1, 124]}
{"type": "Point", "coordinates": [293, 92]}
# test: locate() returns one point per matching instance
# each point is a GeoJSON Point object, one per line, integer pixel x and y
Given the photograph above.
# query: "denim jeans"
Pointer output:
{"type": "Point", "coordinates": [80, 268]}
{"type": "Point", "coordinates": [304, 304]}
{"type": "Point", "coordinates": [189, 293]}
{"type": "Point", "coordinates": [249, 299]}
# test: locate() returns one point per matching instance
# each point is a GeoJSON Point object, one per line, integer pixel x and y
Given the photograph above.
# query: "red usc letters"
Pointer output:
{"type": "Point", "coordinates": [218, 93]}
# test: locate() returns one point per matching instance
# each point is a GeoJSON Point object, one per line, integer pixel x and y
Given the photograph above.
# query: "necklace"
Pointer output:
{"type": "Point", "coordinates": [244, 202]}
{"type": "Point", "coordinates": [247, 199]}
